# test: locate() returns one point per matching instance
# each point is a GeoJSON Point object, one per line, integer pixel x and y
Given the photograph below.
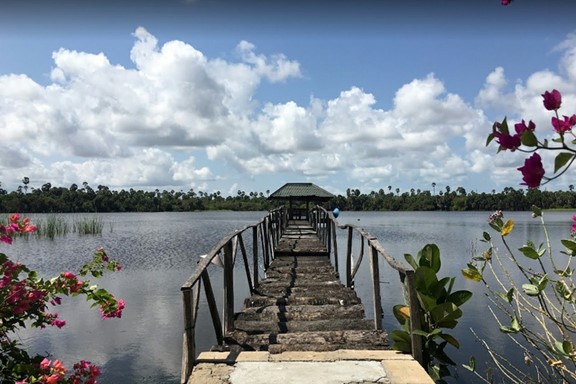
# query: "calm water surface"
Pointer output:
{"type": "Point", "coordinates": [158, 251]}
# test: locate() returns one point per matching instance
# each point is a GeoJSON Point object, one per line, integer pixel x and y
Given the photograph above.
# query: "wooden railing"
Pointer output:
{"type": "Point", "coordinates": [264, 236]}
{"type": "Point", "coordinates": [326, 224]}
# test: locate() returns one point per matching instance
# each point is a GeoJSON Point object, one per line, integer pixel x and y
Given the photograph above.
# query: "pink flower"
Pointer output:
{"type": "Point", "coordinates": [532, 171]}
{"type": "Point", "coordinates": [45, 364]}
{"type": "Point", "coordinates": [68, 275]}
{"type": "Point", "coordinates": [59, 366]}
{"type": "Point", "coordinates": [52, 379]}
{"type": "Point", "coordinates": [108, 312]}
{"type": "Point", "coordinates": [5, 239]}
{"type": "Point", "coordinates": [76, 287]}
{"type": "Point", "coordinates": [56, 301]}
{"type": "Point", "coordinates": [561, 126]}
{"type": "Point", "coordinates": [506, 2]}
{"type": "Point", "coordinates": [58, 323]}
{"type": "Point", "coordinates": [507, 141]}
{"type": "Point", "coordinates": [552, 100]}
{"type": "Point", "coordinates": [522, 127]}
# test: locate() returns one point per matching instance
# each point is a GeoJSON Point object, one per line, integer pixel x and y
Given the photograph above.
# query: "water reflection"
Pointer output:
{"type": "Point", "coordinates": [159, 251]}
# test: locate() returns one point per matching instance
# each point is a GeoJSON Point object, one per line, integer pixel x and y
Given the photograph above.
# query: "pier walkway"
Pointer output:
{"type": "Point", "coordinates": [301, 324]}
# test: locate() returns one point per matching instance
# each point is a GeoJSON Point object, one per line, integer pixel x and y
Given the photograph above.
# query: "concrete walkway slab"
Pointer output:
{"type": "Point", "coordinates": [334, 367]}
{"type": "Point", "coordinates": [297, 372]}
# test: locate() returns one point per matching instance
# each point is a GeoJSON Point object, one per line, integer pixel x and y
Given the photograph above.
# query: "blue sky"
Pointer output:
{"type": "Point", "coordinates": [220, 95]}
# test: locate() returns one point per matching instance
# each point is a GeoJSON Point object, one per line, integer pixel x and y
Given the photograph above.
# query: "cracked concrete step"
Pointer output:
{"type": "Point", "coordinates": [325, 290]}
{"type": "Point", "coordinates": [311, 341]}
{"type": "Point", "coordinates": [302, 325]}
{"type": "Point", "coordinates": [301, 312]}
{"type": "Point", "coordinates": [259, 301]}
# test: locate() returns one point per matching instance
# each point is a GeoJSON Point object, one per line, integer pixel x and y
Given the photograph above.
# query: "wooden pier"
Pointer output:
{"type": "Point", "coordinates": [298, 309]}
{"type": "Point", "coordinates": [301, 305]}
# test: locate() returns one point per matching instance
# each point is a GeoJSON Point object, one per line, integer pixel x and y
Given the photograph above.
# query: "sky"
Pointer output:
{"type": "Point", "coordinates": [222, 95]}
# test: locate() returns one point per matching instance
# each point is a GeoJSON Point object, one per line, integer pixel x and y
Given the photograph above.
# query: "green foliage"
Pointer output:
{"type": "Point", "coordinates": [88, 226]}
{"type": "Point", "coordinates": [83, 198]}
{"type": "Point", "coordinates": [440, 310]}
{"type": "Point", "coordinates": [532, 289]}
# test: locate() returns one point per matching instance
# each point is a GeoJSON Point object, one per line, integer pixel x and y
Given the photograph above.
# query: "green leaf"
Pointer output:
{"type": "Point", "coordinates": [536, 211]}
{"type": "Point", "coordinates": [489, 139]}
{"type": "Point", "coordinates": [562, 159]}
{"type": "Point", "coordinates": [471, 364]}
{"type": "Point", "coordinates": [424, 278]}
{"type": "Point", "coordinates": [486, 236]}
{"type": "Point", "coordinates": [531, 289]}
{"type": "Point", "coordinates": [503, 126]}
{"type": "Point", "coordinates": [450, 339]}
{"type": "Point", "coordinates": [426, 334]}
{"type": "Point", "coordinates": [529, 139]}
{"type": "Point", "coordinates": [565, 273]}
{"type": "Point", "coordinates": [564, 347]}
{"type": "Point", "coordinates": [542, 283]}
{"type": "Point", "coordinates": [472, 273]}
{"type": "Point", "coordinates": [508, 296]}
{"type": "Point", "coordinates": [513, 328]}
{"type": "Point", "coordinates": [570, 245]}
{"type": "Point", "coordinates": [564, 291]}
{"type": "Point", "coordinates": [530, 251]}
{"type": "Point", "coordinates": [459, 297]}
{"type": "Point", "coordinates": [410, 259]}
{"type": "Point", "coordinates": [443, 315]}
{"type": "Point", "coordinates": [402, 341]}
{"type": "Point", "coordinates": [427, 302]}
{"type": "Point", "coordinates": [429, 256]}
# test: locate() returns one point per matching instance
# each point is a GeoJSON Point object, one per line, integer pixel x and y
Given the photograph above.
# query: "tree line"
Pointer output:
{"type": "Point", "coordinates": [84, 198]}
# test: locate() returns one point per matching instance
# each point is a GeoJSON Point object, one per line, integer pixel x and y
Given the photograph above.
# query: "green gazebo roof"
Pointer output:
{"type": "Point", "coordinates": [301, 191]}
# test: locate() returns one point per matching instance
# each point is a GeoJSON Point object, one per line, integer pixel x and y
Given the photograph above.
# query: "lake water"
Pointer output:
{"type": "Point", "coordinates": [158, 251]}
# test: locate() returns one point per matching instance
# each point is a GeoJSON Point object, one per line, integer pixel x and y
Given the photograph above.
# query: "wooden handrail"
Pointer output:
{"type": "Point", "coordinates": [324, 221]}
{"type": "Point", "coordinates": [265, 235]}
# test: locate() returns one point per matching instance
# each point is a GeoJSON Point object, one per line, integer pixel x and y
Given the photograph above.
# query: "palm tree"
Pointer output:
{"type": "Point", "coordinates": [433, 188]}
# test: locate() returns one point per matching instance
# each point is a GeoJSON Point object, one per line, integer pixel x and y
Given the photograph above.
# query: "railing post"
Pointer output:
{"type": "Point", "coordinates": [349, 258]}
{"type": "Point", "coordinates": [266, 238]}
{"type": "Point", "coordinates": [415, 323]}
{"type": "Point", "coordinates": [190, 298]}
{"type": "Point", "coordinates": [212, 306]}
{"type": "Point", "coordinates": [334, 245]}
{"type": "Point", "coordinates": [228, 288]}
{"type": "Point", "coordinates": [374, 268]}
{"type": "Point", "coordinates": [255, 255]}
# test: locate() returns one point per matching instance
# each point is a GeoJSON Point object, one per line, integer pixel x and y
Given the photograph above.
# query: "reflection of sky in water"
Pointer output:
{"type": "Point", "coordinates": [458, 235]}
{"type": "Point", "coordinates": [159, 251]}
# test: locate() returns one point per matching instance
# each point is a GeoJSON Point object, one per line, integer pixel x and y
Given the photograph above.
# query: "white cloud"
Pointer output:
{"type": "Point", "coordinates": [126, 126]}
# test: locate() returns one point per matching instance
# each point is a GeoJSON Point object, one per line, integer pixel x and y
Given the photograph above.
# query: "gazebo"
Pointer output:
{"type": "Point", "coordinates": [300, 193]}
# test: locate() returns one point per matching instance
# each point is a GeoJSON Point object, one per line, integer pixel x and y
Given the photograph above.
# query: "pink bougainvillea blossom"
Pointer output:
{"type": "Point", "coordinates": [506, 141]}
{"type": "Point", "coordinates": [109, 311]}
{"type": "Point", "coordinates": [522, 127]}
{"type": "Point", "coordinates": [565, 125]}
{"type": "Point", "coordinates": [552, 100]}
{"type": "Point", "coordinates": [532, 171]}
